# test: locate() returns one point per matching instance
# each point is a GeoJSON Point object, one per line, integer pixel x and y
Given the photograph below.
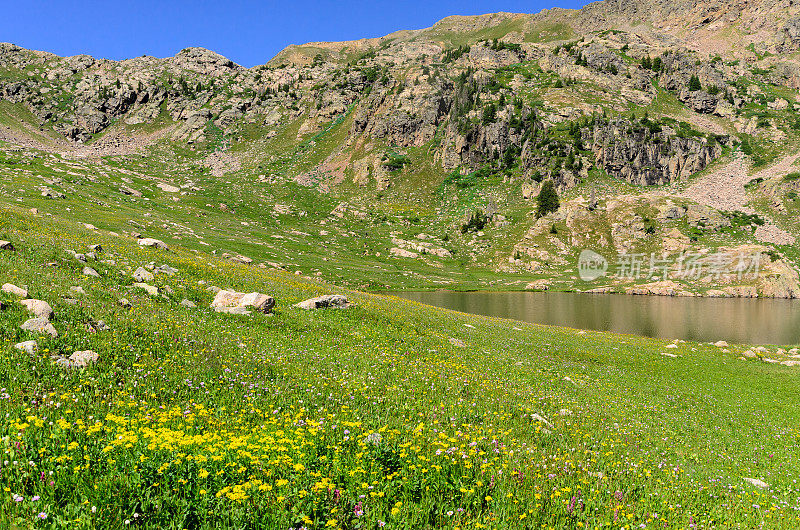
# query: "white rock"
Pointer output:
{"type": "Point", "coordinates": [82, 358]}
{"type": "Point", "coordinates": [672, 346]}
{"type": "Point", "coordinates": [6, 245]}
{"type": "Point", "coordinates": [88, 271]}
{"type": "Point", "coordinates": [235, 302]}
{"type": "Point", "coordinates": [665, 354]}
{"type": "Point", "coordinates": [155, 243]}
{"type": "Point", "coordinates": [152, 290]}
{"type": "Point", "coordinates": [542, 419]}
{"type": "Point", "coordinates": [40, 308]}
{"type": "Point", "coordinates": [10, 288]}
{"type": "Point", "coordinates": [721, 344]}
{"type": "Point", "coordinates": [29, 346]}
{"type": "Point", "coordinates": [756, 482]}
{"type": "Point", "coordinates": [143, 275]}
{"type": "Point", "coordinates": [39, 325]}
{"type": "Point", "coordinates": [458, 343]}
{"type": "Point", "coordinates": [168, 188]}
{"type": "Point", "coordinates": [750, 354]}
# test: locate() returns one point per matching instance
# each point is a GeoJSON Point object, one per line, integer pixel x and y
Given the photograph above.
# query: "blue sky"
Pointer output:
{"type": "Point", "coordinates": [247, 31]}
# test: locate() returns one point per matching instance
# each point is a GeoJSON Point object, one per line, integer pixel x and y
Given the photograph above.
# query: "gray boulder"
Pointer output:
{"type": "Point", "coordinates": [325, 302]}
{"type": "Point", "coordinates": [143, 275]}
{"type": "Point", "coordinates": [39, 325]}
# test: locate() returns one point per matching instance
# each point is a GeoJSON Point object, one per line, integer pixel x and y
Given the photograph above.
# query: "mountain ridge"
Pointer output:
{"type": "Point", "coordinates": [460, 124]}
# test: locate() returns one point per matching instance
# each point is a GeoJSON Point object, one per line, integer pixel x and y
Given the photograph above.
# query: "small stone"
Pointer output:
{"type": "Point", "coordinates": [10, 288]}
{"type": "Point", "coordinates": [123, 302]}
{"type": "Point", "coordinates": [77, 289]}
{"type": "Point", "coordinates": [565, 412]}
{"type": "Point", "coordinates": [6, 245]}
{"type": "Point", "coordinates": [669, 355]}
{"type": "Point", "coordinates": [750, 354]}
{"type": "Point", "coordinates": [96, 327]}
{"type": "Point", "coordinates": [81, 257]}
{"type": "Point", "coordinates": [188, 303]}
{"type": "Point", "coordinates": [96, 248]}
{"type": "Point", "coordinates": [88, 271]}
{"type": "Point", "coordinates": [671, 346]}
{"type": "Point", "coordinates": [542, 419]}
{"type": "Point", "coordinates": [721, 344]}
{"type": "Point", "coordinates": [29, 346]}
{"type": "Point", "coordinates": [373, 438]}
{"type": "Point", "coordinates": [40, 325]}
{"type": "Point", "coordinates": [458, 343]}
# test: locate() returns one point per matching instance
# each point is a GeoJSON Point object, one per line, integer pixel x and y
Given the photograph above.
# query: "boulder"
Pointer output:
{"type": "Point", "coordinates": [79, 359]}
{"type": "Point", "coordinates": [10, 288]}
{"type": "Point", "coordinates": [40, 325]}
{"type": "Point", "coordinates": [324, 302]}
{"type": "Point", "coordinates": [152, 290]}
{"type": "Point", "coordinates": [143, 275]}
{"type": "Point", "coordinates": [29, 346]}
{"type": "Point", "coordinates": [402, 253]}
{"type": "Point", "coordinates": [169, 188]}
{"type": "Point", "coordinates": [150, 242]}
{"type": "Point", "coordinates": [40, 308]}
{"type": "Point", "coordinates": [756, 482]}
{"type": "Point", "coordinates": [235, 302]}
{"type": "Point", "coordinates": [165, 269]}
{"type": "Point", "coordinates": [82, 358]}
{"type": "Point", "coordinates": [6, 245]}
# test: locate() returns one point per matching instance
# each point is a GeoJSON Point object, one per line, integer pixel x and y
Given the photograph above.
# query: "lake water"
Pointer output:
{"type": "Point", "coordinates": [736, 320]}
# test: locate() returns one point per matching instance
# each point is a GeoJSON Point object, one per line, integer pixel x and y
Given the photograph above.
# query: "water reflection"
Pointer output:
{"type": "Point", "coordinates": [697, 319]}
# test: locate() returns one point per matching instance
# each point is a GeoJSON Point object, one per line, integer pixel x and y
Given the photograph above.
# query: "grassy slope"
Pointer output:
{"type": "Point", "coordinates": [198, 419]}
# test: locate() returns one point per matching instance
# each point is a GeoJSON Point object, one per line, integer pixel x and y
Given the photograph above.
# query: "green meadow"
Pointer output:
{"type": "Point", "coordinates": [387, 414]}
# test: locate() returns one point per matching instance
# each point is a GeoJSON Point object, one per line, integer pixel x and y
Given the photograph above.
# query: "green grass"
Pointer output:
{"type": "Point", "coordinates": [197, 419]}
